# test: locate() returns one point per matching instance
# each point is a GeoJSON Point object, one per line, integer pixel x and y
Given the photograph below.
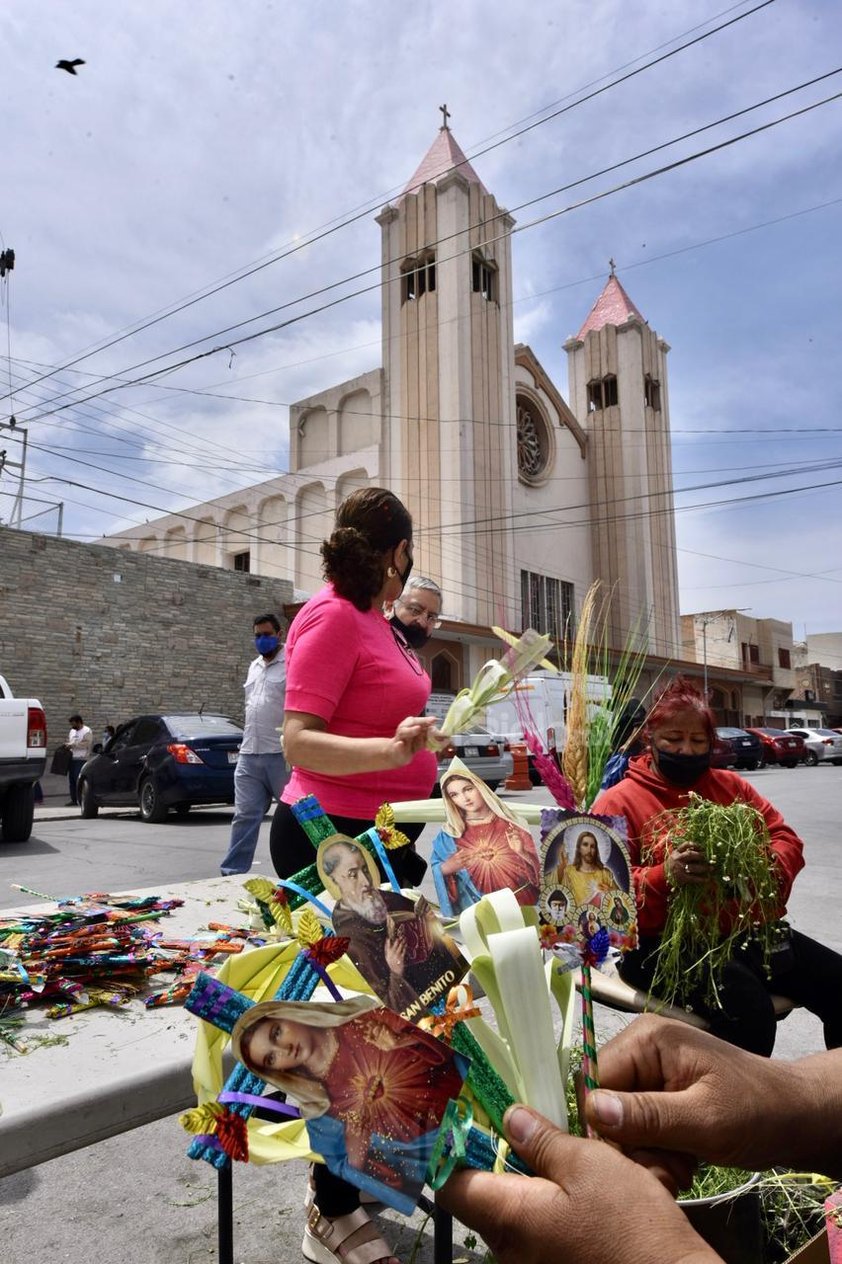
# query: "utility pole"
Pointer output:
{"type": "Point", "coordinates": [6, 464]}
{"type": "Point", "coordinates": [711, 618]}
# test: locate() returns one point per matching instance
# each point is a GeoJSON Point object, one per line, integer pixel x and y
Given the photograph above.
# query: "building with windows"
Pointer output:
{"type": "Point", "coordinates": [520, 497]}
{"type": "Point", "coordinates": [748, 666]}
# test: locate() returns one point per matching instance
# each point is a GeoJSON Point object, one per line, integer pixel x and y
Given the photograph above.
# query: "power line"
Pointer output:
{"type": "Point", "coordinates": [312, 239]}
{"type": "Point", "coordinates": [552, 215]}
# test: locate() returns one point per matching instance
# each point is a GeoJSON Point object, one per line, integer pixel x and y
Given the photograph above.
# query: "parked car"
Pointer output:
{"type": "Point", "coordinates": [780, 747]}
{"type": "Point", "coordinates": [737, 748]}
{"type": "Point", "coordinates": [23, 759]}
{"type": "Point", "coordinates": [822, 744]}
{"type": "Point", "coordinates": [160, 762]}
{"type": "Point", "coordinates": [484, 753]}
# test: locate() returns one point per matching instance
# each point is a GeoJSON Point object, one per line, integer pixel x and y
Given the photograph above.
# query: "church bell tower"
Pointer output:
{"type": "Point", "coordinates": [617, 372]}
{"type": "Point", "coordinates": [450, 446]}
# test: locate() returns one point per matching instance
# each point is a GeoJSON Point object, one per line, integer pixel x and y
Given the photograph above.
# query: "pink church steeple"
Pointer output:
{"type": "Point", "coordinates": [613, 307]}
{"type": "Point", "coordinates": [444, 155]}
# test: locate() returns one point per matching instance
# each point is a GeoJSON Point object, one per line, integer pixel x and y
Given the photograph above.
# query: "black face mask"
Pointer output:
{"type": "Point", "coordinates": [404, 575]}
{"type": "Point", "coordinates": [681, 770]}
{"type": "Point", "coordinates": [413, 633]}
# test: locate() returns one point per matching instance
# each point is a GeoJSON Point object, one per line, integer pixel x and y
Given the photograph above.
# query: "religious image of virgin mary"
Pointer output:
{"type": "Point", "coordinates": [483, 847]}
{"type": "Point", "coordinates": [372, 1087]}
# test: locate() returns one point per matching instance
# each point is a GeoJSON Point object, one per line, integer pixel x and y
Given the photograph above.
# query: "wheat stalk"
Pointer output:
{"type": "Point", "coordinates": [574, 760]}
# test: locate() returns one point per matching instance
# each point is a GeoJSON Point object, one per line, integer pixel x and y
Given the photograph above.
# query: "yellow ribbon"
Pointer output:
{"type": "Point", "coordinates": [459, 1005]}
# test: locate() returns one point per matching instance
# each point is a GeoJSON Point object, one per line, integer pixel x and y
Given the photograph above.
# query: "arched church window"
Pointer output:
{"type": "Point", "coordinates": [418, 277]}
{"type": "Point", "coordinates": [442, 674]}
{"type": "Point", "coordinates": [484, 278]}
{"type": "Point", "coordinates": [533, 443]}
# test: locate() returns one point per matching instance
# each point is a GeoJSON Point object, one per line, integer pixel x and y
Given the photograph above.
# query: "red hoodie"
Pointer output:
{"type": "Point", "coordinates": [643, 794]}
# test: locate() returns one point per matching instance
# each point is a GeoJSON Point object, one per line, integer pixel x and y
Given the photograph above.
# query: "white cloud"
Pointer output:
{"type": "Point", "coordinates": [189, 145]}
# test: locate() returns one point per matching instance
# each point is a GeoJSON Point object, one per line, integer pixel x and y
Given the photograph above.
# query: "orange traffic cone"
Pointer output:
{"type": "Point", "coordinates": [519, 779]}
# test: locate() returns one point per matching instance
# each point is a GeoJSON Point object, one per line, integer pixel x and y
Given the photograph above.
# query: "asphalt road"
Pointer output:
{"type": "Point", "coordinates": [137, 1198]}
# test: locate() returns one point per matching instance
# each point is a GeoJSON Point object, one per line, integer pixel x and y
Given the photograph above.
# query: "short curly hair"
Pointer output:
{"type": "Point", "coordinates": [369, 523]}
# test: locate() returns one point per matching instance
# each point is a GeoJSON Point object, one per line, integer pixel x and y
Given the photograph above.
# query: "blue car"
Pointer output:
{"type": "Point", "coordinates": [158, 762]}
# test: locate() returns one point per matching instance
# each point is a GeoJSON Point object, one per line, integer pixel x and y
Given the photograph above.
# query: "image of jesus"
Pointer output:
{"type": "Point", "coordinates": [583, 873]}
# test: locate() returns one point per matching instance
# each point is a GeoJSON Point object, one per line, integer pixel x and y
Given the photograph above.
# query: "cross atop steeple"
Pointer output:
{"type": "Point", "coordinates": [445, 113]}
{"type": "Point", "coordinates": [612, 265]}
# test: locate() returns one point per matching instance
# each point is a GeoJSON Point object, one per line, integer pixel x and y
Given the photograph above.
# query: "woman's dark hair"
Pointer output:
{"type": "Point", "coordinates": [369, 523]}
{"type": "Point", "coordinates": [681, 695]}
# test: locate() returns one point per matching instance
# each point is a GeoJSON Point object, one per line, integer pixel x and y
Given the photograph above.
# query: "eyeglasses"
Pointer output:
{"type": "Point", "coordinates": [419, 612]}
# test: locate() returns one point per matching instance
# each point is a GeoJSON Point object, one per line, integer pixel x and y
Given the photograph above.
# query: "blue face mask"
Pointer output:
{"type": "Point", "coordinates": [266, 644]}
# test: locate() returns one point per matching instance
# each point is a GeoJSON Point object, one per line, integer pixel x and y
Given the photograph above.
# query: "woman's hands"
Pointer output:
{"type": "Point", "coordinates": [686, 866]}
{"type": "Point", "coordinates": [307, 744]}
{"type": "Point", "coordinates": [410, 737]}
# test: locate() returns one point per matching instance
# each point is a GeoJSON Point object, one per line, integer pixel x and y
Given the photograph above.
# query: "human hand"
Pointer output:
{"type": "Point", "coordinates": [515, 840]}
{"type": "Point", "coordinates": [411, 736]}
{"type": "Point", "coordinates": [452, 864]}
{"type": "Point", "coordinates": [669, 1088]}
{"type": "Point", "coordinates": [584, 1195]}
{"type": "Point", "coordinates": [687, 866]}
{"type": "Point", "coordinates": [395, 954]}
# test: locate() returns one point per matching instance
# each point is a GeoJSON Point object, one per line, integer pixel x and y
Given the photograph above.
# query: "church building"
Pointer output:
{"type": "Point", "coordinates": [519, 498]}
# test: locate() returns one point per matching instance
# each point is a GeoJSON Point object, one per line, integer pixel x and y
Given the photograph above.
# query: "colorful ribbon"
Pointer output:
{"type": "Point", "coordinates": [451, 1143]}
{"type": "Point", "coordinates": [459, 1005]}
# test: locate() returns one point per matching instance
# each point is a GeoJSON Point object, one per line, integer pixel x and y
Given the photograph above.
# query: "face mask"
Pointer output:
{"type": "Point", "coordinates": [404, 576]}
{"type": "Point", "coordinates": [266, 644]}
{"type": "Point", "coordinates": [682, 770]}
{"type": "Point", "coordinates": [413, 633]}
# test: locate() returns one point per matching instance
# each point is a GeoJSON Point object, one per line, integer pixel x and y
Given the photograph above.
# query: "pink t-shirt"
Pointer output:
{"type": "Point", "coordinates": [347, 667]}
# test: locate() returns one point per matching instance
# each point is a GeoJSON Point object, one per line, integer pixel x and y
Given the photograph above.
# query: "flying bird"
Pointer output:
{"type": "Point", "coordinates": [69, 66]}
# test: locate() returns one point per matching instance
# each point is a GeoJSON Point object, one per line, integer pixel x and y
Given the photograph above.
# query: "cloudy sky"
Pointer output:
{"type": "Point", "coordinates": [200, 170]}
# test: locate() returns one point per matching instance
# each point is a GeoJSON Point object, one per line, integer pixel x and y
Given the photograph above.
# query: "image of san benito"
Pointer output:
{"type": "Point", "coordinates": [397, 944]}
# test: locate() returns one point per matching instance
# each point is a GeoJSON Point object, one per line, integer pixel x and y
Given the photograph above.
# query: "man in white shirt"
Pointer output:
{"type": "Point", "coordinates": [261, 771]}
{"type": "Point", "coordinates": [80, 740]}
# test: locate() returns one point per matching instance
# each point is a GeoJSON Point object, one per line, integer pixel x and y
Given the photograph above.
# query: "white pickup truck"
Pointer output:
{"type": "Point", "coordinates": [23, 758]}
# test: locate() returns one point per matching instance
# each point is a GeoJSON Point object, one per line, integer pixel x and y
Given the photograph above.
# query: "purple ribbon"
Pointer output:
{"type": "Point", "coordinates": [324, 976]}
{"type": "Point", "coordinates": [265, 1103]}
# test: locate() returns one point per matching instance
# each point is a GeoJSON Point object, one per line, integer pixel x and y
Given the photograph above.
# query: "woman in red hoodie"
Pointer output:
{"type": "Point", "coordinates": [681, 735]}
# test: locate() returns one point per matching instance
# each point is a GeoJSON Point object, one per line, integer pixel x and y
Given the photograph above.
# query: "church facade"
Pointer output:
{"type": "Point", "coordinates": [519, 498]}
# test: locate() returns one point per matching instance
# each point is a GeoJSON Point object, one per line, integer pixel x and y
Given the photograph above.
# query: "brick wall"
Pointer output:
{"type": "Point", "coordinates": [113, 634]}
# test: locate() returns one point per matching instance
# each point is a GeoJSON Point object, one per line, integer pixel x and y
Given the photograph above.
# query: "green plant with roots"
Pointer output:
{"type": "Point", "coordinates": [706, 924]}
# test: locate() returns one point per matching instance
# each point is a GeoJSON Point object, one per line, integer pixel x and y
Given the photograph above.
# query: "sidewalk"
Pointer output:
{"type": "Point", "coordinates": [54, 808]}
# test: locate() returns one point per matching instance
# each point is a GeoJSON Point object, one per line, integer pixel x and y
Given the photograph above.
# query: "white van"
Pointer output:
{"type": "Point", "coordinates": [546, 698]}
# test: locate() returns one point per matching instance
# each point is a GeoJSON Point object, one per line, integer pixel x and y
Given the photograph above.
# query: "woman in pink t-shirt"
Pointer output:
{"type": "Point", "coordinates": [356, 737]}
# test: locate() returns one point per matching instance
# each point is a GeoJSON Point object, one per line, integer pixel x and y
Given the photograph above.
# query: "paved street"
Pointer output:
{"type": "Point", "coordinates": [137, 1198]}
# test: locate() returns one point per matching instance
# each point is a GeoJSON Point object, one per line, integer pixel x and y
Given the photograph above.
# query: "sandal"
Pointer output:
{"type": "Point", "coordinates": [351, 1239]}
